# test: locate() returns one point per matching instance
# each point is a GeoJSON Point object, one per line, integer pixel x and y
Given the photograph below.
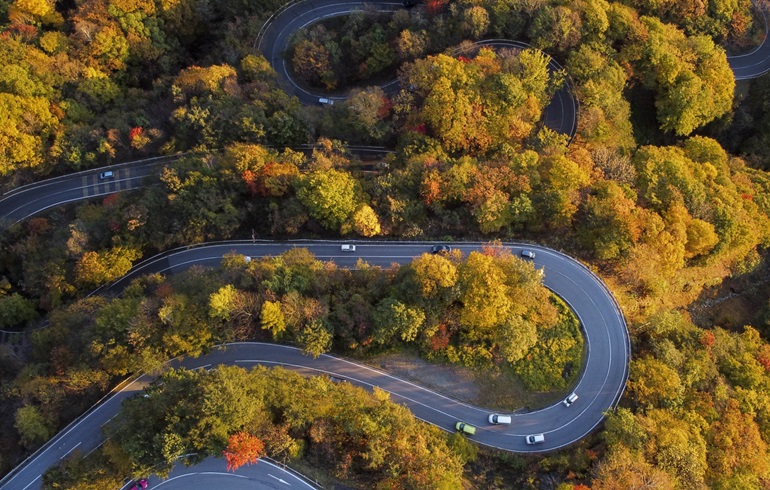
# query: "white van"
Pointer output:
{"type": "Point", "coordinates": [496, 418]}
{"type": "Point", "coordinates": [535, 439]}
{"type": "Point", "coordinates": [325, 101]}
{"type": "Point", "coordinates": [348, 248]}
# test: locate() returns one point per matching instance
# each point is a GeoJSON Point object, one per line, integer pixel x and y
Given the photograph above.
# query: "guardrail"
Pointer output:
{"type": "Point", "coordinates": [258, 41]}
{"type": "Point", "coordinates": [157, 159]}
{"type": "Point", "coordinates": [119, 387]}
{"type": "Point", "coordinates": [67, 428]}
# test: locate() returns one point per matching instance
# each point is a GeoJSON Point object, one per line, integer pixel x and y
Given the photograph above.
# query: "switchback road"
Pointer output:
{"type": "Point", "coordinates": [600, 386]}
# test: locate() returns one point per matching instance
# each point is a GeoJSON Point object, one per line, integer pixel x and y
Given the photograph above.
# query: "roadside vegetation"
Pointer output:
{"type": "Point", "coordinates": [664, 192]}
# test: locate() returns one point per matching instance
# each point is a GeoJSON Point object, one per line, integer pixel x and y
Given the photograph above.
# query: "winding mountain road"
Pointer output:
{"type": "Point", "coordinates": [273, 41]}
{"type": "Point", "coordinates": [756, 62]}
{"type": "Point", "coordinates": [600, 386]}
{"type": "Point", "coordinates": [602, 381]}
{"type": "Point", "coordinates": [560, 115]}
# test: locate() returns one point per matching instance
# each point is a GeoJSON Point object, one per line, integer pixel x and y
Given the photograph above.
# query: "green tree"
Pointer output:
{"type": "Point", "coordinates": [475, 21]}
{"type": "Point", "coordinates": [608, 221]}
{"type": "Point", "coordinates": [485, 297]}
{"type": "Point", "coordinates": [15, 309]}
{"type": "Point", "coordinates": [32, 426]}
{"type": "Point", "coordinates": [315, 338]}
{"type": "Point", "coordinates": [690, 74]}
{"type": "Point", "coordinates": [517, 336]}
{"type": "Point", "coordinates": [394, 318]}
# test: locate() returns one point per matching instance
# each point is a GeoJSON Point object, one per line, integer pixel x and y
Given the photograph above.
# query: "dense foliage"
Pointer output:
{"type": "Point", "coordinates": [646, 193]}
{"type": "Point", "coordinates": [437, 303]}
{"type": "Point", "coordinates": [336, 426]}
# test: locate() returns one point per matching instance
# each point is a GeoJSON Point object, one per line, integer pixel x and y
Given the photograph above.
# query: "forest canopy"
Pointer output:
{"type": "Point", "coordinates": [663, 191]}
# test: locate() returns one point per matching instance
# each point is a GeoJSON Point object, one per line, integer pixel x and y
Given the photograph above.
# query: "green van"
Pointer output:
{"type": "Point", "coordinates": [465, 428]}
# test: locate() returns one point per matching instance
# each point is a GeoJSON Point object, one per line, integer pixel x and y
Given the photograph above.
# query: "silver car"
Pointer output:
{"type": "Point", "coordinates": [570, 399]}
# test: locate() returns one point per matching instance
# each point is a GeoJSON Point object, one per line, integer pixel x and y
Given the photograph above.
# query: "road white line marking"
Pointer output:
{"type": "Point", "coordinates": [280, 480]}
{"type": "Point", "coordinates": [30, 483]}
{"type": "Point", "coordinates": [97, 447]}
{"type": "Point", "coordinates": [65, 454]}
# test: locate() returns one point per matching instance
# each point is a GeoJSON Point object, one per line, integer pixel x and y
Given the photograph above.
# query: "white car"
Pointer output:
{"type": "Point", "coordinates": [348, 248]}
{"type": "Point", "coordinates": [107, 175]}
{"type": "Point", "coordinates": [325, 101]}
{"type": "Point", "coordinates": [528, 254]}
{"type": "Point", "coordinates": [570, 399]}
{"type": "Point", "coordinates": [496, 418]}
{"type": "Point", "coordinates": [535, 439]}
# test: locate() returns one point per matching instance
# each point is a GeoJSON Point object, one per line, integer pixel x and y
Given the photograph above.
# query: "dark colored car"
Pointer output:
{"type": "Point", "coordinates": [407, 4]}
{"type": "Point", "coordinates": [440, 249]}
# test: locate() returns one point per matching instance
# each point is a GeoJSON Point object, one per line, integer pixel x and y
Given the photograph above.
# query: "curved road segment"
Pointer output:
{"type": "Point", "coordinates": [560, 115]}
{"type": "Point", "coordinates": [31, 199]}
{"type": "Point", "coordinates": [756, 62]}
{"type": "Point", "coordinates": [600, 386]}
{"type": "Point", "coordinates": [212, 474]}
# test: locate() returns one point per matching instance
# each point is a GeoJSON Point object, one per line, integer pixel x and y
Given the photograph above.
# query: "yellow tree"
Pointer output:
{"type": "Point", "coordinates": [434, 272]}
{"type": "Point", "coordinates": [366, 222]}
{"type": "Point", "coordinates": [485, 297]}
{"type": "Point", "coordinates": [738, 456]}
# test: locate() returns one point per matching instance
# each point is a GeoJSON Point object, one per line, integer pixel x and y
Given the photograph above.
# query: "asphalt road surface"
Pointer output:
{"type": "Point", "coordinates": [756, 62]}
{"type": "Point", "coordinates": [29, 200]}
{"type": "Point", "coordinates": [212, 473]}
{"type": "Point", "coordinates": [560, 115]}
{"type": "Point", "coordinates": [600, 386]}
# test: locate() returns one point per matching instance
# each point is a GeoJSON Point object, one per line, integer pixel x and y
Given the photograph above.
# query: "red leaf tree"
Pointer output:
{"type": "Point", "coordinates": [242, 448]}
{"type": "Point", "coordinates": [435, 6]}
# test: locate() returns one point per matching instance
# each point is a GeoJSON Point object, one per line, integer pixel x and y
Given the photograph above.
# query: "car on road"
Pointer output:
{"type": "Point", "coordinates": [107, 175]}
{"type": "Point", "coordinates": [496, 418]}
{"type": "Point", "coordinates": [570, 399]}
{"type": "Point", "coordinates": [348, 248]}
{"type": "Point", "coordinates": [529, 254]}
{"type": "Point", "coordinates": [535, 439]}
{"type": "Point", "coordinates": [465, 428]}
{"type": "Point", "coordinates": [407, 4]}
{"type": "Point", "coordinates": [139, 485]}
{"type": "Point", "coordinates": [440, 249]}
{"type": "Point", "coordinates": [325, 101]}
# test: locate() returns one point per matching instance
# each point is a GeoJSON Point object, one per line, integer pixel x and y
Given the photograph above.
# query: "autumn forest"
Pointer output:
{"type": "Point", "coordinates": [663, 191]}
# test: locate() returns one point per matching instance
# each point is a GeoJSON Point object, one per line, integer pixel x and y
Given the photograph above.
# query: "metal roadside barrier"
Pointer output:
{"type": "Point", "coordinates": [157, 159]}
{"type": "Point", "coordinates": [258, 41]}
{"type": "Point", "coordinates": [119, 387]}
